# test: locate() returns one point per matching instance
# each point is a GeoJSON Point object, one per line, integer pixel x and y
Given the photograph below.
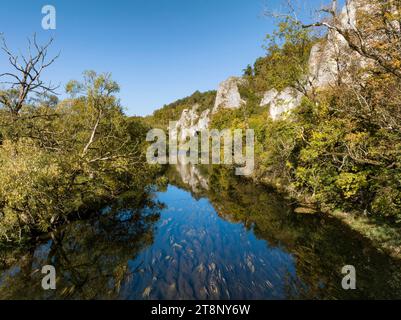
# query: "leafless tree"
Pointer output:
{"type": "Point", "coordinates": [26, 77]}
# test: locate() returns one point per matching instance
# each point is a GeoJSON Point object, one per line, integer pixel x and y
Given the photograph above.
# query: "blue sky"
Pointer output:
{"type": "Point", "coordinates": [157, 50]}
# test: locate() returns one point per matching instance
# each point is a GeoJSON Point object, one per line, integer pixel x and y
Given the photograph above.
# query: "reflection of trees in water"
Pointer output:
{"type": "Point", "coordinates": [91, 257]}
{"type": "Point", "coordinates": [320, 245]}
{"type": "Point", "coordinates": [192, 177]}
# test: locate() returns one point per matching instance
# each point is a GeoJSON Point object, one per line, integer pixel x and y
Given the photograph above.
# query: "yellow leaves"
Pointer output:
{"type": "Point", "coordinates": [45, 177]}
{"type": "Point", "coordinates": [351, 183]}
{"type": "Point", "coordinates": [397, 63]}
{"type": "Point", "coordinates": [28, 176]}
{"type": "Point", "coordinates": [357, 137]}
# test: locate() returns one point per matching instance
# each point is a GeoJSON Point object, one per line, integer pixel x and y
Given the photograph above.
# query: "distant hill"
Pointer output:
{"type": "Point", "coordinates": [173, 111]}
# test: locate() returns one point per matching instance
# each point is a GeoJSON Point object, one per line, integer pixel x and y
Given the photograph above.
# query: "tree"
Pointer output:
{"type": "Point", "coordinates": [286, 61]}
{"type": "Point", "coordinates": [375, 35]}
{"type": "Point", "coordinates": [27, 76]}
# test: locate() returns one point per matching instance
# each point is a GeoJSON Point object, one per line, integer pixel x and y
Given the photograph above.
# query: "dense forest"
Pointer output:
{"type": "Point", "coordinates": [84, 214]}
{"type": "Point", "coordinates": [341, 147]}
{"type": "Point", "coordinates": [60, 160]}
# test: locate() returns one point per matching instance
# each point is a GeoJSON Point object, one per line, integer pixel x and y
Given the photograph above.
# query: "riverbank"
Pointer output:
{"type": "Point", "coordinates": [384, 237]}
{"type": "Point", "coordinates": [209, 236]}
{"type": "Point", "coordinates": [380, 234]}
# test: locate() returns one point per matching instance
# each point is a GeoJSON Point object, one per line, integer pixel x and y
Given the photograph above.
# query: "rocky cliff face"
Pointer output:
{"type": "Point", "coordinates": [191, 123]}
{"type": "Point", "coordinates": [228, 96]}
{"type": "Point", "coordinates": [281, 102]}
{"type": "Point", "coordinates": [328, 59]}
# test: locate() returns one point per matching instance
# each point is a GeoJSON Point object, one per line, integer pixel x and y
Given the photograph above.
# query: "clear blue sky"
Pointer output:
{"type": "Point", "coordinates": [157, 50]}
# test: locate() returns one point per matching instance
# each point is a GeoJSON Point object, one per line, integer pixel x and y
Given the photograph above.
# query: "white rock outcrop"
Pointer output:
{"type": "Point", "coordinates": [328, 59]}
{"type": "Point", "coordinates": [191, 123]}
{"type": "Point", "coordinates": [228, 96]}
{"type": "Point", "coordinates": [331, 56]}
{"type": "Point", "coordinates": [268, 97]}
{"type": "Point", "coordinates": [204, 119]}
{"type": "Point", "coordinates": [281, 102]}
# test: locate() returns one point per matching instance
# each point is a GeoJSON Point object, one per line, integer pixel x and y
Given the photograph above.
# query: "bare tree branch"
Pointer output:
{"type": "Point", "coordinates": [27, 78]}
{"type": "Point", "coordinates": [360, 40]}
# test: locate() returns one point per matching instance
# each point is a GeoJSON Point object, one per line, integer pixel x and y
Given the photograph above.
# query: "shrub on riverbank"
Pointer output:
{"type": "Point", "coordinates": [340, 149]}
{"type": "Point", "coordinates": [62, 160]}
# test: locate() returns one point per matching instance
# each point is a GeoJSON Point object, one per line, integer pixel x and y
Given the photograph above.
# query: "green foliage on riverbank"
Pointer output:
{"type": "Point", "coordinates": [62, 161]}
{"type": "Point", "coordinates": [312, 239]}
{"type": "Point", "coordinates": [286, 62]}
{"type": "Point", "coordinates": [340, 149]}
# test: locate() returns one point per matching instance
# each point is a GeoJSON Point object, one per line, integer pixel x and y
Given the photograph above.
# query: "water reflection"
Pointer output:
{"type": "Point", "coordinates": [316, 247]}
{"type": "Point", "coordinates": [196, 254]}
{"type": "Point", "coordinates": [192, 177]}
{"type": "Point", "coordinates": [214, 237]}
{"type": "Point", "coordinates": [91, 257]}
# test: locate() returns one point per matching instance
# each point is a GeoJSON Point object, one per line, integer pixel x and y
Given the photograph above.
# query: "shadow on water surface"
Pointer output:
{"type": "Point", "coordinates": [215, 237]}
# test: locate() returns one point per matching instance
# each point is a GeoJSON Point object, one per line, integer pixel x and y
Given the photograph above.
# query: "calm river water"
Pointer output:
{"type": "Point", "coordinates": [206, 236]}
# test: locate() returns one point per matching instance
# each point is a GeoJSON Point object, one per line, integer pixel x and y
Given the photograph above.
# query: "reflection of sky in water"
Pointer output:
{"type": "Point", "coordinates": [197, 254]}
{"type": "Point", "coordinates": [39, 259]}
{"type": "Point", "coordinates": [190, 251]}
{"type": "Point", "coordinates": [9, 273]}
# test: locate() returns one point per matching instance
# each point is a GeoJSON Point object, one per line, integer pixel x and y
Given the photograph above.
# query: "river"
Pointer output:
{"type": "Point", "coordinates": [203, 235]}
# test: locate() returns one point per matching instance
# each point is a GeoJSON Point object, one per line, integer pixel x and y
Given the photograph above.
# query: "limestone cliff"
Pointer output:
{"type": "Point", "coordinates": [328, 59]}
{"type": "Point", "coordinates": [332, 56]}
{"type": "Point", "coordinates": [228, 95]}
{"type": "Point", "coordinates": [281, 102]}
{"type": "Point", "coordinates": [191, 123]}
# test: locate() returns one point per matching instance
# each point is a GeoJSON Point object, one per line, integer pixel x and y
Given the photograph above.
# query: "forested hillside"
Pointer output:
{"type": "Point", "coordinates": [173, 111]}
{"type": "Point", "coordinates": [340, 149]}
